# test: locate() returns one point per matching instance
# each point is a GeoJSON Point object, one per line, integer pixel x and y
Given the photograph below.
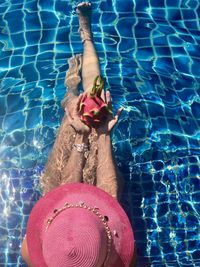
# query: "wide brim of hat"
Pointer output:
{"type": "Point", "coordinates": [94, 197]}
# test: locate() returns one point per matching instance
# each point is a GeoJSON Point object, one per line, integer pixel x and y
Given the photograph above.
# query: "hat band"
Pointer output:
{"type": "Point", "coordinates": [94, 210]}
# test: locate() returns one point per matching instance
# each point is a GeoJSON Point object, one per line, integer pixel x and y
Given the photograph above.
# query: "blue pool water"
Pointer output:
{"type": "Point", "coordinates": [149, 52]}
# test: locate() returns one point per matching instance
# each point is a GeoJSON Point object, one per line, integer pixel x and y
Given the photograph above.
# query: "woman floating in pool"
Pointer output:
{"type": "Point", "coordinates": [75, 224]}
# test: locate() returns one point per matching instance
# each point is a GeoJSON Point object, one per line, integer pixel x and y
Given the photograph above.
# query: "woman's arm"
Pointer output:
{"type": "Point", "coordinates": [106, 171]}
{"type": "Point", "coordinates": [107, 174]}
{"type": "Point", "coordinates": [73, 170]}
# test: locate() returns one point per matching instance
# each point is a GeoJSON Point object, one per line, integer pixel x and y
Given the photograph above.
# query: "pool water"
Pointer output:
{"type": "Point", "coordinates": [149, 53]}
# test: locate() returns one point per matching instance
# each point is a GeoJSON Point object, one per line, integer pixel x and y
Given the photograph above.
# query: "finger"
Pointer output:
{"type": "Point", "coordinates": [114, 121]}
{"type": "Point", "coordinates": [69, 115]}
{"type": "Point", "coordinates": [66, 111]}
{"type": "Point", "coordinates": [108, 100]}
{"type": "Point", "coordinates": [71, 120]}
{"type": "Point", "coordinates": [119, 112]}
{"type": "Point", "coordinates": [108, 97]}
{"type": "Point", "coordinates": [80, 98]}
{"type": "Point", "coordinates": [103, 95]}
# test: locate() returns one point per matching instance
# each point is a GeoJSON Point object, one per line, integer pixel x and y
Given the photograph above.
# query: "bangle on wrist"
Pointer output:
{"type": "Point", "coordinates": [82, 148]}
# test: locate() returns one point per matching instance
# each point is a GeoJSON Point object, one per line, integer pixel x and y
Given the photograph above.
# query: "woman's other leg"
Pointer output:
{"type": "Point", "coordinates": [52, 175]}
{"type": "Point", "coordinates": [90, 67]}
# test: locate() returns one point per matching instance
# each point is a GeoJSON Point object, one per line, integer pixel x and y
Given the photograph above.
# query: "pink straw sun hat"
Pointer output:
{"type": "Point", "coordinates": [79, 225]}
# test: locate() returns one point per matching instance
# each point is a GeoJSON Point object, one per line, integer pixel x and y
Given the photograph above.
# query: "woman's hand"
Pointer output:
{"type": "Point", "coordinates": [107, 126]}
{"type": "Point", "coordinates": [74, 119]}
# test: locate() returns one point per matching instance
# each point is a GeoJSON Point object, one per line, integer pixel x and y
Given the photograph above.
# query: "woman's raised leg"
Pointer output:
{"type": "Point", "coordinates": [90, 70]}
{"type": "Point", "coordinates": [90, 67]}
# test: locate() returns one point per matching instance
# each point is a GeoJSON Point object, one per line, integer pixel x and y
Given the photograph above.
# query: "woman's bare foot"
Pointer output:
{"type": "Point", "coordinates": [84, 8]}
{"type": "Point", "coordinates": [84, 11]}
{"type": "Point", "coordinates": [73, 78]}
